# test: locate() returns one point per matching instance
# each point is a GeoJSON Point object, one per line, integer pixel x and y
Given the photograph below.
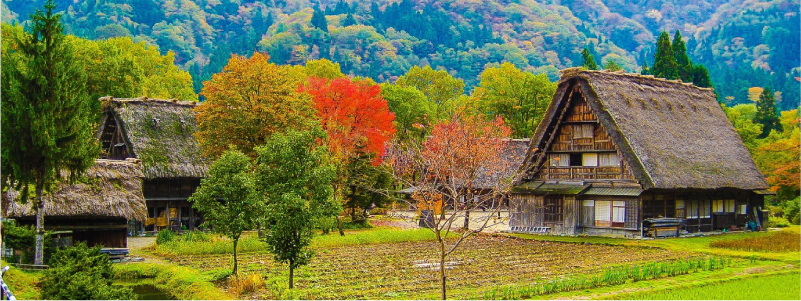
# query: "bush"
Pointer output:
{"type": "Point", "coordinates": [81, 273]}
{"type": "Point", "coordinates": [194, 236]}
{"type": "Point", "coordinates": [778, 221]}
{"type": "Point", "coordinates": [164, 236]}
{"type": "Point", "coordinates": [23, 239]}
{"type": "Point", "coordinates": [791, 210]}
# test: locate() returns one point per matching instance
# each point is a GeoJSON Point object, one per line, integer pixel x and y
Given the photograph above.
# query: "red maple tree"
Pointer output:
{"type": "Point", "coordinates": [353, 114]}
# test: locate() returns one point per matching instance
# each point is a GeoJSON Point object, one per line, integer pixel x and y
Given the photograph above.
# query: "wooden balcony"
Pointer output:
{"type": "Point", "coordinates": [582, 144]}
{"type": "Point", "coordinates": [581, 173]}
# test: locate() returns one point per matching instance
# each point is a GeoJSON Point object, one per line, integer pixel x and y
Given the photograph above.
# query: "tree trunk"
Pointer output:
{"type": "Point", "coordinates": [339, 226]}
{"type": "Point", "coordinates": [291, 275]}
{"type": "Point", "coordinates": [466, 219]}
{"type": "Point", "coordinates": [235, 241]}
{"type": "Point", "coordinates": [39, 254]}
{"type": "Point", "coordinates": [442, 267]}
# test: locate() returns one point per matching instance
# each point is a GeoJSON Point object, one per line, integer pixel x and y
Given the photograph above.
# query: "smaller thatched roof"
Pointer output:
{"type": "Point", "coordinates": [513, 157]}
{"type": "Point", "coordinates": [672, 134]}
{"type": "Point", "coordinates": [160, 133]}
{"type": "Point", "coordinates": [110, 188]}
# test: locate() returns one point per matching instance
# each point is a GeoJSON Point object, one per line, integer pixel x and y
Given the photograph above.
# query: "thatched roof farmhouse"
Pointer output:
{"type": "Point", "coordinates": [615, 149]}
{"type": "Point", "coordinates": [96, 208]}
{"type": "Point", "coordinates": [161, 134]}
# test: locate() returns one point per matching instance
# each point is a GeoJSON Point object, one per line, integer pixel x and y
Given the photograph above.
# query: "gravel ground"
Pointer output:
{"type": "Point", "coordinates": [136, 243]}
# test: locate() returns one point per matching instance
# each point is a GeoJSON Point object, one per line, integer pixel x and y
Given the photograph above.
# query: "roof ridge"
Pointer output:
{"type": "Point", "coordinates": [574, 71]}
{"type": "Point", "coordinates": [145, 99]}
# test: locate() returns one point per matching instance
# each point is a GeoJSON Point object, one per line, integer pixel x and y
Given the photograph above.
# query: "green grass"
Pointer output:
{"type": "Point", "coordinates": [773, 287]}
{"type": "Point", "coordinates": [183, 283]}
{"type": "Point", "coordinates": [22, 284]}
{"type": "Point", "coordinates": [249, 242]}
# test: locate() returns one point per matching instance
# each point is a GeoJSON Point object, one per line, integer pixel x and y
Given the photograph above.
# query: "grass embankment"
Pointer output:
{"type": "Point", "coordinates": [713, 244]}
{"type": "Point", "coordinates": [215, 244]}
{"type": "Point", "coordinates": [22, 284]}
{"type": "Point", "coordinates": [783, 286]}
{"type": "Point", "coordinates": [180, 282]}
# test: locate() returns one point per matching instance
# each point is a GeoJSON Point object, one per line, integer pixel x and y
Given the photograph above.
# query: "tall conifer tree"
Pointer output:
{"type": "Point", "coordinates": [664, 61]}
{"type": "Point", "coordinates": [318, 20]}
{"type": "Point", "coordinates": [683, 64]}
{"type": "Point", "coordinates": [766, 113]}
{"type": "Point", "coordinates": [47, 120]}
{"type": "Point", "coordinates": [587, 60]}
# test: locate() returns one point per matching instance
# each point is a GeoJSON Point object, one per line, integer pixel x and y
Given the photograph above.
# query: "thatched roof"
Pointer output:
{"type": "Point", "coordinates": [110, 188]}
{"type": "Point", "coordinates": [160, 133]}
{"type": "Point", "coordinates": [513, 156]}
{"type": "Point", "coordinates": [672, 134]}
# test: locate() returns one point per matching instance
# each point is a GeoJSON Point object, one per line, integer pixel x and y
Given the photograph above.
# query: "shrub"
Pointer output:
{"type": "Point", "coordinates": [791, 210]}
{"type": "Point", "coordinates": [23, 239]}
{"type": "Point", "coordinates": [81, 273]}
{"type": "Point", "coordinates": [245, 284]}
{"type": "Point", "coordinates": [778, 221]}
{"type": "Point", "coordinates": [164, 236]}
{"type": "Point", "coordinates": [194, 236]}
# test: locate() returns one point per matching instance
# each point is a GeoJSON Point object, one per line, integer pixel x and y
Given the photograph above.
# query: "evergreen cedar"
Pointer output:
{"type": "Point", "coordinates": [96, 208]}
{"type": "Point", "coordinates": [160, 133]}
{"type": "Point", "coordinates": [677, 152]}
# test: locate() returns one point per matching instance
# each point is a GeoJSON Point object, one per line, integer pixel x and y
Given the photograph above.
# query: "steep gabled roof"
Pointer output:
{"type": "Point", "coordinates": [672, 134]}
{"type": "Point", "coordinates": [161, 134]}
{"type": "Point", "coordinates": [110, 188]}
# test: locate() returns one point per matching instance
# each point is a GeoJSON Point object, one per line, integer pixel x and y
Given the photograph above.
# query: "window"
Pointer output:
{"type": "Point", "coordinates": [618, 213]}
{"type": "Point", "coordinates": [589, 159]}
{"type": "Point", "coordinates": [576, 160]}
{"type": "Point", "coordinates": [679, 208]}
{"type": "Point", "coordinates": [729, 204]}
{"type": "Point", "coordinates": [608, 159]}
{"type": "Point", "coordinates": [741, 209]}
{"type": "Point", "coordinates": [559, 160]}
{"type": "Point", "coordinates": [583, 131]}
{"type": "Point", "coordinates": [588, 213]}
{"type": "Point", "coordinates": [704, 208]}
{"type": "Point", "coordinates": [692, 209]}
{"type": "Point", "coordinates": [603, 213]}
{"type": "Point", "coordinates": [553, 209]}
{"type": "Point", "coordinates": [717, 206]}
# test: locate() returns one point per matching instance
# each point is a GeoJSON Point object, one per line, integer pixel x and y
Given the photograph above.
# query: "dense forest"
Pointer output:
{"type": "Point", "coordinates": [743, 43]}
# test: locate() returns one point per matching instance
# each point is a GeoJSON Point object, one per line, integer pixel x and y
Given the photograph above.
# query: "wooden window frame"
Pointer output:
{"type": "Point", "coordinates": [552, 209]}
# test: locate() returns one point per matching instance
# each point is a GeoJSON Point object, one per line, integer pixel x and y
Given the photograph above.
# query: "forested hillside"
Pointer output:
{"type": "Point", "coordinates": [743, 43]}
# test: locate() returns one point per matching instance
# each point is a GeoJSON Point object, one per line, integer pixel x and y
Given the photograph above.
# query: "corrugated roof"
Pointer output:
{"type": "Point", "coordinates": [614, 191]}
{"type": "Point", "coordinates": [764, 191]}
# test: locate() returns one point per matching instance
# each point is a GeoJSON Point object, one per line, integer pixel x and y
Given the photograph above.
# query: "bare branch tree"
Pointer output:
{"type": "Point", "coordinates": [466, 164]}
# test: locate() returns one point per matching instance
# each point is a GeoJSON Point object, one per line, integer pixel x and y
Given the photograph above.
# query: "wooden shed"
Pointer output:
{"type": "Point", "coordinates": [615, 149]}
{"type": "Point", "coordinates": [161, 134]}
{"type": "Point", "coordinates": [96, 209]}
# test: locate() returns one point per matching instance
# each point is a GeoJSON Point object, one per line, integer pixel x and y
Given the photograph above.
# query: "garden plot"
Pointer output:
{"type": "Point", "coordinates": [409, 270]}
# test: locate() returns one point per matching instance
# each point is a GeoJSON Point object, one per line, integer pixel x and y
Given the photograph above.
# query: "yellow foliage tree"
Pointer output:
{"type": "Point", "coordinates": [249, 101]}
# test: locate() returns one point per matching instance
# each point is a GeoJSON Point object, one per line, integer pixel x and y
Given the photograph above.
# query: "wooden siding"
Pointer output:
{"type": "Point", "coordinates": [529, 211]}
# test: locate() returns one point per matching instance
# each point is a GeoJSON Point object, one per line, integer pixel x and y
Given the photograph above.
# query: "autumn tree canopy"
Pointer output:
{"type": "Point", "coordinates": [519, 97]}
{"type": "Point", "coordinates": [353, 114]}
{"type": "Point", "coordinates": [247, 102]}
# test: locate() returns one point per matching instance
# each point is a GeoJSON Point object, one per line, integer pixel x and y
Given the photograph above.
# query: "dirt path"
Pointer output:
{"type": "Point", "coordinates": [140, 247]}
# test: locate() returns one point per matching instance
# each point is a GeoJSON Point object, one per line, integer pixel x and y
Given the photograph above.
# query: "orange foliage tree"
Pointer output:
{"type": "Point", "coordinates": [353, 114]}
{"type": "Point", "coordinates": [465, 164]}
{"type": "Point", "coordinates": [247, 102]}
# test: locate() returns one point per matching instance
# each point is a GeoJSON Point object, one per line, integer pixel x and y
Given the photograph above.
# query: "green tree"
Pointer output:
{"type": "Point", "coordinates": [611, 65]}
{"type": "Point", "coordinates": [519, 97]}
{"type": "Point", "coordinates": [587, 61]}
{"type": "Point", "coordinates": [82, 273]}
{"type": "Point", "coordinates": [295, 174]}
{"type": "Point", "coordinates": [439, 87]}
{"type": "Point", "coordinates": [47, 121]}
{"type": "Point", "coordinates": [412, 110]}
{"type": "Point", "coordinates": [701, 77]}
{"type": "Point", "coordinates": [362, 183]}
{"type": "Point", "coordinates": [766, 113]}
{"type": "Point", "coordinates": [664, 61]}
{"type": "Point", "coordinates": [349, 20]}
{"type": "Point", "coordinates": [318, 20]}
{"type": "Point", "coordinates": [683, 64]}
{"type": "Point", "coordinates": [227, 197]}
{"type": "Point", "coordinates": [645, 70]}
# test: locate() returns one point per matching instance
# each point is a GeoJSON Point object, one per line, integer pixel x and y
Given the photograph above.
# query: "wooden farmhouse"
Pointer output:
{"type": "Point", "coordinates": [616, 149]}
{"type": "Point", "coordinates": [96, 209]}
{"type": "Point", "coordinates": [160, 133]}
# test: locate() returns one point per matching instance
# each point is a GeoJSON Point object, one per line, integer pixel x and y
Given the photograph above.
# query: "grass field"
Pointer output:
{"type": "Point", "coordinates": [772, 287]}
{"type": "Point", "coordinates": [407, 270]}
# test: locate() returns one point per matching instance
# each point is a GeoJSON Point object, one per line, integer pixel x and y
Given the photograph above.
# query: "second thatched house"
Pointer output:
{"type": "Point", "coordinates": [160, 133]}
{"type": "Point", "coordinates": [615, 150]}
{"type": "Point", "coordinates": [96, 209]}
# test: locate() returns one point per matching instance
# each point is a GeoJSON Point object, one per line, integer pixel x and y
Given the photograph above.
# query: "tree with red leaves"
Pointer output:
{"type": "Point", "coordinates": [465, 164]}
{"type": "Point", "coordinates": [353, 114]}
{"type": "Point", "coordinates": [359, 123]}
